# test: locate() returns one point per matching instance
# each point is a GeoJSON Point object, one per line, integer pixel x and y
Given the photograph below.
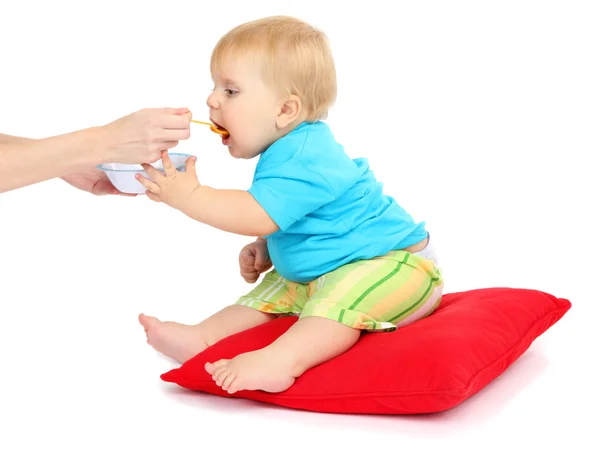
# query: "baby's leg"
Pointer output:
{"type": "Point", "coordinates": [308, 343]}
{"type": "Point", "coordinates": [376, 295]}
{"type": "Point", "coordinates": [182, 342]}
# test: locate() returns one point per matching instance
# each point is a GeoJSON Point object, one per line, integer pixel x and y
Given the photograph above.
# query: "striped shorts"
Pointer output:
{"type": "Point", "coordinates": [379, 294]}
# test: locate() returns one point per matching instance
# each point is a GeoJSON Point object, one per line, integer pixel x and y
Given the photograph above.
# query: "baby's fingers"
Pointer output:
{"type": "Point", "coordinates": [249, 276]}
{"type": "Point", "coordinates": [247, 258]}
{"type": "Point", "coordinates": [167, 164]}
{"type": "Point", "coordinates": [245, 269]}
{"type": "Point", "coordinates": [151, 186]}
{"type": "Point", "coordinates": [153, 173]}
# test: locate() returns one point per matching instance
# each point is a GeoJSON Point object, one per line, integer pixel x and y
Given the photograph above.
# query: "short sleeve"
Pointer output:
{"type": "Point", "coordinates": [290, 190]}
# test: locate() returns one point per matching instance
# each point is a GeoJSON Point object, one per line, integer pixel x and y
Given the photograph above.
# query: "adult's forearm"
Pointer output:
{"type": "Point", "coordinates": [7, 139]}
{"type": "Point", "coordinates": [139, 137]}
{"type": "Point", "coordinates": [26, 161]}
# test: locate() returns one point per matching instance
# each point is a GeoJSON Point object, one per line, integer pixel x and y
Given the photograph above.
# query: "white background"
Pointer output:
{"type": "Point", "coordinates": [480, 118]}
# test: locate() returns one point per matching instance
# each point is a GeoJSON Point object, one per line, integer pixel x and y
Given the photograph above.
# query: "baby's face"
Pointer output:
{"type": "Point", "coordinates": [242, 104]}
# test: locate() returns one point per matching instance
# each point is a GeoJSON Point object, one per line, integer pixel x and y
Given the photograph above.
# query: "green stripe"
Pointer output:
{"type": "Point", "coordinates": [385, 279]}
{"type": "Point", "coordinates": [341, 316]}
{"type": "Point", "coordinates": [415, 304]}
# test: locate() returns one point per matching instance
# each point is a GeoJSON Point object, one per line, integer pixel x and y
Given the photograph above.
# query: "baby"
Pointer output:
{"type": "Point", "coordinates": [346, 258]}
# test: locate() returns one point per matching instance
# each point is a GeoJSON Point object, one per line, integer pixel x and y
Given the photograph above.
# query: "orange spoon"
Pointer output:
{"type": "Point", "coordinates": [214, 128]}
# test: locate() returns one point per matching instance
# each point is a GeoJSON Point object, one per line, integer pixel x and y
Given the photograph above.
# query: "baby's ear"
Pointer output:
{"type": "Point", "coordinates": [289, 111]}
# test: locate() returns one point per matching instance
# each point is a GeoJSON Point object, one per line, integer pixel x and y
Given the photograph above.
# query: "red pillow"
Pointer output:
{"type": "Point", "coordinates": [431, 365]}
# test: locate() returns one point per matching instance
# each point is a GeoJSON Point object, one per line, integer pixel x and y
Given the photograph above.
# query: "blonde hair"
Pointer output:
{"type": "Point", "coordinates": [296, 59]}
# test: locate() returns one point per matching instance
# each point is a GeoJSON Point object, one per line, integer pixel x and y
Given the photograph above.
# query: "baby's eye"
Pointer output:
{"type": "Point", "coordinates": [229, 92]}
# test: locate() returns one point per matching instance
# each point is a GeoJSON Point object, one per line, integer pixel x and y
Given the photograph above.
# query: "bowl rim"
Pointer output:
{"type": "Point", "coordinates": [103, 167]}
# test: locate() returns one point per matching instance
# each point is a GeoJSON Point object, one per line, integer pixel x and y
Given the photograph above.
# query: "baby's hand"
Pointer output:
{"type": "Point", "coordinates": [254, 260]}
{"type": "Point", "coordinates": [172, 188]}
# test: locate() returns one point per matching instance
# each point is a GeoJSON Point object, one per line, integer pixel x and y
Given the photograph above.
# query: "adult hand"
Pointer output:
{"type": "Point", "coordinates": [136, 138]}
{"type": "Point", "coordinates": [93, 180]}
{"type": "Point", "coordinates": [140, 137]}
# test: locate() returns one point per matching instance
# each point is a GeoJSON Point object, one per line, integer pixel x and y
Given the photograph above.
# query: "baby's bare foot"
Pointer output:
{"type": "Point", "coordinates": [176, 340]}
{"type": "Point", "coordinates": [252, 371]}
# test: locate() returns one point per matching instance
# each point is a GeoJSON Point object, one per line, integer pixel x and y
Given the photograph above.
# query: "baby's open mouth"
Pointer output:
{"type": "Point", "coordinates": [219, 130]}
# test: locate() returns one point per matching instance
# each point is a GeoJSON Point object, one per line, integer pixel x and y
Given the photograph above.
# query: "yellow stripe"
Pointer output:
{"type": "Point", "coordinates": [403, 295]}
{"type": "Point", "coordinates": [349, 282]}
{"type": "Point", "coordinates": [291, 296]}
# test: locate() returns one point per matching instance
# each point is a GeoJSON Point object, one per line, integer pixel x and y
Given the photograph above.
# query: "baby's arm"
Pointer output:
{"type": "Point", "coordinates": [233, 211]}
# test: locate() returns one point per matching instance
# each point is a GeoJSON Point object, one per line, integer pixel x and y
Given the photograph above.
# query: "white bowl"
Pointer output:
{"type": "Point", "coordinates": [122, 175]}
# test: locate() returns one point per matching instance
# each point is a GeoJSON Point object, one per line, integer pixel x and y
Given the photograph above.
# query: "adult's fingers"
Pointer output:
{"type": "Point", "coordinates": [104, 187]}
{"type": "Point", "coordinates": [167, 145]}
{"type": "Point", "coordinates": [169, 135]}
{"type": "Point", "coordinates": [170, 121]}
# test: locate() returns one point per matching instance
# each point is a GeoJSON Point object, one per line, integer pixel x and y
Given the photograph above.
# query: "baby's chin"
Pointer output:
{"type": "Point", "coordinates": [235, 153]}
{"type": "Point", "coordinates": [242, 154]}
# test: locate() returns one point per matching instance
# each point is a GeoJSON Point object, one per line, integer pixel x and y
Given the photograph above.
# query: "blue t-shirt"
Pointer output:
{"type": "Point", "coordinates": [330, 209]}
